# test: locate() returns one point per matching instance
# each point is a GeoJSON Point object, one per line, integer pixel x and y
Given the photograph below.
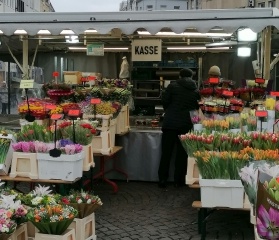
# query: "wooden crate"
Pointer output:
{"type": "Point", "coordinates": [72, 77]}
{"type": "Point", "coordinates": [31, 230]}
{"type": "Point", "coordinates": [123, 120]}
{"type": "Point", "coordinates": [24, 165]}
{"type": "Point", "coordinates": [192, 171]}
{"type": "Point", "coordinates": [105, 121]}
{"type": "Point", "coordinates": [20, 233]}
{"type": "Point", "coordinates": [105, 142]}
{"type": "Point", "coordinates": [68, 235]}
{"type": "Point", "coordinates": [84, 227]}
{"type": "Point", "coordinates": [88, 161]}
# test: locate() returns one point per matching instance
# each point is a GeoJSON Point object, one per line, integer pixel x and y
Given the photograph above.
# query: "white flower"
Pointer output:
{"type": "Point", "coordinates": [88, 201]}
{"type": "Point", "coordinates": [79, 201]}
{"type": "Point", "coordinates": [41, 191]}
{"type": "Point", "coordinates": [36, 200]}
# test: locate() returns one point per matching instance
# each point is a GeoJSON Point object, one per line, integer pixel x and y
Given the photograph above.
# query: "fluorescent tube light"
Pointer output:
{"type": "Point", "coordinates": [106, 48]}
{"type": "Point", "coordinates": [246, 35]}
{"type": "Point", "coordinates": [197, 48]}
{"type": "Point", "coordinates": [72, 39]}
{"type": "Point", "coordinates": [194, 34]}
{"type": "Point", "coordinates": [20, 32]}
{"type": "Point", "coordinates": [44, 32]}
{"type": "Point", "coordinates": [67, 32]}
{"type": "Point", "coordinates": [244, 52]}
{"type": "Point", "coordinates": [90, 31]}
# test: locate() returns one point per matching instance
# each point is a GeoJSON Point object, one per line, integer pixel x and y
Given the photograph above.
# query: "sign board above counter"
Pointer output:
{"type": "Point", "coordinates": [147, 50]}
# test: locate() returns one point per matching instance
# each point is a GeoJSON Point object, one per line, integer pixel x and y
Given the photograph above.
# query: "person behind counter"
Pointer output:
{"type": "Point", "coordinates": [180, 97]}
{"type": "Point", "coordinates": [213, 72]}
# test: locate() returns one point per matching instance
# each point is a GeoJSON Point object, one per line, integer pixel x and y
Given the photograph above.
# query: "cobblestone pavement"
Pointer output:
{"type": "Point", "coordinates": [142, 211]}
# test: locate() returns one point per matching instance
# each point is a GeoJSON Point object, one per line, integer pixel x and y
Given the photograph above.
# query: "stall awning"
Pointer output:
{"type": "Point", "coordinates": [128, 22]}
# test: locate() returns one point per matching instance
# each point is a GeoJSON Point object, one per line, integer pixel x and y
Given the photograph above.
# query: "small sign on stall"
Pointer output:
{"type": "Point", "coordinates": [261, 113]}
{"type": "Point", "coordinates": [259, 80]}
{"type": "Point", "coordinates": [227, 93]}
{"type": "Point", "coordinates": [95, 100]}
{"type": "Point", "coordinates": [275, 94]}
{"type": "Point", "coordinates": [27, 83]}
{"type": "Point", "coordinates": [213, 80]}
{"type": "Point", "coordinates": [74, 113]}
{"type": "Point", "coordinates": [57, 116]}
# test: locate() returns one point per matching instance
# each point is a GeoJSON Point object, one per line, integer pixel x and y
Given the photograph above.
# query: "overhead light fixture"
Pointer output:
{"type": "Point", "coordinates": [246, 35]}
{"type": "Point", "coordinates": [20, 32]}
{"type": "Point", "coordinates": [244, 52]}
{"type": "Point", "coordinates": [197, 48]}
{"type": "Point", "coordinates": [221, 44]}
{"type": "Point", "coordinates": [72, 39]}
{"type": "Point", "coordinates": [193, 34]}
{"type": "Point", "coordinates": [105, 48]}
{"type": "Point", "coordinates": [67, 32]}
{"type": "Point", "coordinates": [44, 32]}
{"type": "Point", "coordinates": [90, 31]}
{"type": "Point", "coordinates": [1, 32]}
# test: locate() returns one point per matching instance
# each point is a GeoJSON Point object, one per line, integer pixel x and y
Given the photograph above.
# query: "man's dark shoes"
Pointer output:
{"type": "Point", "coordinates": [162, 184]}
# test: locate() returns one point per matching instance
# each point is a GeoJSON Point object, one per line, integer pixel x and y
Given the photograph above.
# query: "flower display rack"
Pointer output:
{"type": "Point", "coordinates": [105, 142]}
{"type": "Point", "coordinates": [232, 193]}
{"type": "Point", "coordinates": [65, 167]}
{"type": "Point", "coordinates": [122, 120]}
{"type": "Point", "coordinates": [4, 167]}
{"type": "Point", "coordinates": [88, 161]}
{"type": "Point", "coordinates": [192, 171]}
{"type": "Point", "coordinates": [105, 121]}
{"type": "Point", "coordinates": [68, 235]}
{"type": "Point", "coordinates": [20, 233]}
{"type": "Point", "coordinates": [24, 165]}
{"type": "Point", "coordinates": [84, 227]}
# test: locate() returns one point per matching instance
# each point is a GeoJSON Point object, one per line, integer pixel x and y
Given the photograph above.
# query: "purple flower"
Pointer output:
{"type": "Point", "coordinates": [268, 223]}
{"type": "Point", "coordinates": [25, 146]}
{"type": "Point", "coordinates": [64, 142]}
{"type": "Point", "coordinates": [70, 149]}
{"type": "Point", "coordinates": [17, 146]}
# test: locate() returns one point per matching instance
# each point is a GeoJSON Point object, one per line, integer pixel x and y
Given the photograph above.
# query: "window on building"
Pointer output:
{"type": "Point", "coordinates": [176, 7]}
{"type": "Point", "coordinates": [270, 3]}
{"type": "Point", "coordinates": [149, 7]}
{"type": "Point", "coordinates": [163, 6]}
{"type": "Point", "coordinates": [261, 4]}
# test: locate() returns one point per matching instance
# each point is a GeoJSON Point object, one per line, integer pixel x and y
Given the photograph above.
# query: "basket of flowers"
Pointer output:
{"type": "Point", "coordinates": [52, 219]}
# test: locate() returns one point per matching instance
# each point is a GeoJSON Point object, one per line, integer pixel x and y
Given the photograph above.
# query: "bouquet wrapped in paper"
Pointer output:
{"type": "Point", "coordinates": [83, 202]}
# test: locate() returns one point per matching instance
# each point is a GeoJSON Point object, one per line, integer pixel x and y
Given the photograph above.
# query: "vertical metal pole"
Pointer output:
{"type": "Point", "coordinates": [267, 52]}
{"type": "Point", "coordinates": [25, 58]}
{"type": "Point", "coordinates": [9, 88]}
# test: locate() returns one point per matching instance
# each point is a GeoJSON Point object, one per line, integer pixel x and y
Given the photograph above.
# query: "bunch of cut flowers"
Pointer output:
{"type": "Point", "coordinates": [233, 141]}
{"type": "Point", "coordinates": [84, 202]}
{"type": "Point", "coordinates": [84, 131]}
{"type": "Point", "coordinates": [41, 195]}
{"type": "Point", "coordinates": [4, 148]}
{"type": "Point", "coordinates": [220, 165]}
{"type": "Point", "coordinates": [52, 219]}
{"type": "Point", "coordinates": [264, 140]}
{"type": "Point", "coordinates": [234, 122]}
{"type": "Point", "coordinates": [194, 141]}
{"type": "Point", "coordinates": [215, 125]}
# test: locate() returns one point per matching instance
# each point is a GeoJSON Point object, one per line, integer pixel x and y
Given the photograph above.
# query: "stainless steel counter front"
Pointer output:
{"type": "Point", "coordinates": [140, 156]}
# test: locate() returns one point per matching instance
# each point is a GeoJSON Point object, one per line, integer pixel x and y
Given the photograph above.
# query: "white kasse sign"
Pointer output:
{"type": "Point", "coordinates": [147, 50]}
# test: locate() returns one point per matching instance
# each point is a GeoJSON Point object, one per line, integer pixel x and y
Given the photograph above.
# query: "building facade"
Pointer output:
{"type": "Point", "coordinates": [26, 6]}
{"type": "Point", "coordinates": [223, 4]}
{"type": "Point", "coordinates": [150, 5]}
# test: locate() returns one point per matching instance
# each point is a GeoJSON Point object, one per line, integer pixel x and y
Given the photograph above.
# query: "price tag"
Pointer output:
{"type": "Point", "coordinates": [95, 100]}
{"type": "Point", "coordinates": [74, 113]}
{"type": "Point", "coordinates": [227, 93]}
{"type": "Point", "coordinates": [27, 83]}
{"type": "Point", "coordinates": [55, 74]}
{"type": "Point", "coordinates": [91, 78]}
{"type": "Point", "coordinates": [50, 106]}
{"type": "Point", "coordinates": [276, 94]}
{"type": "Point", "coordinates": [261, 113]}
{"type": "Point", "coordinates": [84, 79]}
{"type": "Point", "coordinates": [57, 116]}
{"type": "Point", "coordinates": [213, 80]}
{"type": "Point", "coordinates": [259, 80]}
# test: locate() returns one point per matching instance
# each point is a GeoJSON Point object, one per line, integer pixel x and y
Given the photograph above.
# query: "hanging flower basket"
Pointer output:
{"type": "Point", "coordinates": [55, 94]}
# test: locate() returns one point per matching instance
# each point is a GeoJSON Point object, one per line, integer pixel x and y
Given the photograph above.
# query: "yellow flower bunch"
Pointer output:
{"type": "Point", "coordinates": [219, 125]}
{"type": "Point", "coordinates": [233, 122]}
{"type": "Point", "coordinates": [270, 103]}
{"type": "Point", "coordinates": [259, 154]}
{"type": "Point", "coordinates": [58, 109]}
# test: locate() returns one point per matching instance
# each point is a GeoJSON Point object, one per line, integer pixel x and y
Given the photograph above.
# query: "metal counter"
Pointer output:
{"type": "Point", "coordinates": [141, 153]}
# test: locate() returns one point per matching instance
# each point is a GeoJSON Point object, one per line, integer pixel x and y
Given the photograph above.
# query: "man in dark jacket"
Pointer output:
{"type": "Point", "coordinates": [179, 99]}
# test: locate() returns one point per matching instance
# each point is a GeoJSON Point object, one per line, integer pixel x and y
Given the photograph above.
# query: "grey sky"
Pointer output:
{"type": "Point", "coordinates": [86, 5]}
